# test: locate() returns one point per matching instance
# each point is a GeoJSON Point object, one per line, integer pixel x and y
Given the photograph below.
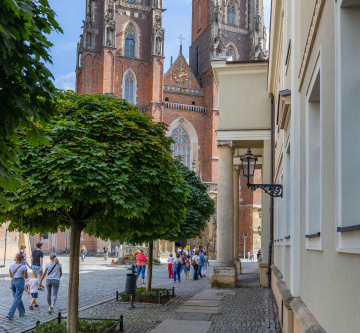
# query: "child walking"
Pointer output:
{"type": "Point", "coordinates": [33, 288]}
{"type": "Point", "coordinates": [187, 269]}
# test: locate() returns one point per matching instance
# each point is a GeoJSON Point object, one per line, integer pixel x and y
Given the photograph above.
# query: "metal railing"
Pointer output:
{"type": "Point", "coordinates": [59, 318]}
{"type": "Point", "coordinates": [185, 107]}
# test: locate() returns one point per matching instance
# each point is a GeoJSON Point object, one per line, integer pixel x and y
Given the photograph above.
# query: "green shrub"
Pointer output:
{"type": "Point", "coordinates": [141, 295]}
{"type": "Point", "coordinates": [84, 326]}
{"type": "Point", "coordinates": [157, 260]}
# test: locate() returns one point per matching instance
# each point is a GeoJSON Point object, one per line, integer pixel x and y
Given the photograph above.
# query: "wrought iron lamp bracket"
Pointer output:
{"type": "Point", "coordinates": [274, 190]}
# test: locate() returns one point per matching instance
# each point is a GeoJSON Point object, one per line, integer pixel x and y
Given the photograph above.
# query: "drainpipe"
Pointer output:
{"type": "Point", "coordinates": [271, 182]}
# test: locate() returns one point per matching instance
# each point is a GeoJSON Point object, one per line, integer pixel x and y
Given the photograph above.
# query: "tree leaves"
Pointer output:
{"type": "Point", "coordinates": [107, 169]}
{"type": "Point", "coordinates": [26, 88]}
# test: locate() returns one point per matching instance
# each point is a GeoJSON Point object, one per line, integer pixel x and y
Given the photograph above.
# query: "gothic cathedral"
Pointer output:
{"type": "Point", "coordinates": [121, 51]}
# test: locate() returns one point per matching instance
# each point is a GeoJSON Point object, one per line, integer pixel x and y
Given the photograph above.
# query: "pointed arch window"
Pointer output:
{"type": "Point", "coordinates": [129, 88]}
{"type": "Point", "coordinates": [199, 16]}
{"type": "Point", "coordinates": [181, 147]}
{"type": "Point", "coordinates": [231, 13]}
{"type": "Point", "coordinates": [130, 36]}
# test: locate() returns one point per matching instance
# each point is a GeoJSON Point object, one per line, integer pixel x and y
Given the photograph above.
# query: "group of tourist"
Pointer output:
{"type": "Point", "coordinates": [18, 274]}
{"type": "Point", "coordinates": [183, 261]}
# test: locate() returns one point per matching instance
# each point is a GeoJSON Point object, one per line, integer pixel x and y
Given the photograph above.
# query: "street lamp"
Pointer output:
{"type": "Point", "coordinates": [244, 234]}
{"type": "Point", "coordinates": [248, 163]}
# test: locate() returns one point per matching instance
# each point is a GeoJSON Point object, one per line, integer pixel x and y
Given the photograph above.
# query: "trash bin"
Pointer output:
{"type": "Point", "coordinates": [130, 284]}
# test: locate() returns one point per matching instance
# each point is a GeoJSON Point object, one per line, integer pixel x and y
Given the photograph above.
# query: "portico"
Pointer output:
{"type": "Point", "coordinates": [244, 122]}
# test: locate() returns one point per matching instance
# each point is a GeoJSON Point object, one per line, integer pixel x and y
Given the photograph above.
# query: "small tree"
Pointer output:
{"type": "Point", "coordinates": [199, 209]}
{"type": "Point", "coordinates": [107, 169]}
{"type": "Point", "coordinates": [26, 88]}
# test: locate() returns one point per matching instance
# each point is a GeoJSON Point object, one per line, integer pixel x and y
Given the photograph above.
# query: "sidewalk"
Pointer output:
{"type": "Point", "coordinates": [200, 308]}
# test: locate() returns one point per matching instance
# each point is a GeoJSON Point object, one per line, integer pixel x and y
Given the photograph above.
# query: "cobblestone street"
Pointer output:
{"type": "Point", "coordinates": [247, 308]}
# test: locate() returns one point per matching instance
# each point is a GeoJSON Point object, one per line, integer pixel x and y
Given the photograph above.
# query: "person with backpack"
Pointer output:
{"type": "Point", "coordinates": [177, 267]}
{"type": "Point", "coordinates": [195, 264]}
{"type": "Point", "coordinates": [54, 273]}
{"type": "Point", "coordinates": [18, 273]}
{"type": "Point", "coordinates": [83, 252]}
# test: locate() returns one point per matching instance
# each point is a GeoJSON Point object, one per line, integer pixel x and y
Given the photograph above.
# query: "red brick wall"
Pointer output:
{"type": "Point", "coordinates": [250, 202]}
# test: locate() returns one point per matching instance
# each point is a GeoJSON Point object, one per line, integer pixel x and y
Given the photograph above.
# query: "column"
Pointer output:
{"type": "Point", "coordinates": [236, 219]}
{"type": "Point", "coordinates": [265, 233]}
{"type": "Point", "coordinates": [224, 273]}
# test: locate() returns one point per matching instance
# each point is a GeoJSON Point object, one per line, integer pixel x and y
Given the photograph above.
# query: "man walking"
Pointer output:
{"type": "Point", "coordinates": [201, 263]}
{"type": "Point", "coordinates": [37, 261]}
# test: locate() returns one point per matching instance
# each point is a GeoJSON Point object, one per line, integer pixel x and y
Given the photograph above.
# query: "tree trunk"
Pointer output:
{"type": "Point", "coordinates": [150, 266]}
{"type": "Point", "coordinates": [72, 325]}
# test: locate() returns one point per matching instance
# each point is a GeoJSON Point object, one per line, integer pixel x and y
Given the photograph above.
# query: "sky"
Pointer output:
{"type": "Point", "coordinates": [70, 13]}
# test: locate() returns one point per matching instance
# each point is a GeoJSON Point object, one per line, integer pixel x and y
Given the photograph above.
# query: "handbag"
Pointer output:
{"type": "Point", "coordinates": [49, 272]}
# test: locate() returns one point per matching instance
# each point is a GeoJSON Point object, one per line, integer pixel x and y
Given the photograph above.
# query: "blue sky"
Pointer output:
{"type": "Point", "coordinates": [70, 13]}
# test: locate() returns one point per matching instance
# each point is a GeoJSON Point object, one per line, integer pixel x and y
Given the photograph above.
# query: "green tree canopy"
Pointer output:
{"type": "Point", "coordinates": [199, 209]}
{"type": "Point", "coordinates": [107, 169]}
{"type": "Point", "coordinates": [26, 88]}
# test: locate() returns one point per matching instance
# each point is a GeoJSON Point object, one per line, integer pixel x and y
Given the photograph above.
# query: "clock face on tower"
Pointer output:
{"type": "Point", "coordinates": [180, 76]}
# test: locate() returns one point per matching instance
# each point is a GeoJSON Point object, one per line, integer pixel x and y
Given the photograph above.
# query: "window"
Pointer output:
{"type": "Point", "coordinates": [129, 46]}
{"type": "Point", "coordinates": [198, 60]}
{"type": "Point", "coordinates": [230, 13]}
{"type": "Point", "coordinates": [287, 196]}
{"type": "Point", "coordinates": [199, 16]}
{"type": "Point", "coordinates": [181, 147]}
{"type": "Point", "coordinates": [129, 88]}
{"type": "Point", "coordinates": [347, 46]}
{"type": "Point", "coordinates": [314, 161]}
{"type": "Point", "coordinates": [166, 99]}
{"type": "Point", "coordinates": [46, 236]}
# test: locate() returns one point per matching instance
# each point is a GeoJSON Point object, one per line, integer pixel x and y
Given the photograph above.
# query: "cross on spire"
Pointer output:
{"type": "Point", "coordinates": [181, 39]}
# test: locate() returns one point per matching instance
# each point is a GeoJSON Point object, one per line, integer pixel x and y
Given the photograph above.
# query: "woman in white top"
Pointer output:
{"type": "Point", "coordinates": [170, 261]}
{"type": "Point", "coordinates": [54, 272]}
{"type": "Point", "coordinates": [18, 274]}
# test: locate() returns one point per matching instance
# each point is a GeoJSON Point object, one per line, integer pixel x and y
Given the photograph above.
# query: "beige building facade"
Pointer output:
{"type": "Point", "coordinates": [313, 85]}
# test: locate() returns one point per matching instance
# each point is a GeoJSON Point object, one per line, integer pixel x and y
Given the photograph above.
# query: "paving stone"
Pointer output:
{"type": "Point", "coordinates": [195, 316]}
{"type": "Point", "coordinates": [181, 326]}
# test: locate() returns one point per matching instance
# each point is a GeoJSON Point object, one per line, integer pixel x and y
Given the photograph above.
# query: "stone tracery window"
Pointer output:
{"type": "Point", "coordinates": [130, 34]}
{"type": "Point", "coordinates": [199, 16]}
{"type": "Point", "coordinates": [230, 13]}
{"type": "Point", "coordinates": [181, 147]}
{"type": "Point", "coordinates": [129, 88]}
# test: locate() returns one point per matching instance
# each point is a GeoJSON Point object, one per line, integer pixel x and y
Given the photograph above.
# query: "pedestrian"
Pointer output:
{"type": "Point", "coordinates": [187, 269]}
{"type": "Point", "coordinates": [141, 265]}
{"type": "Point", "coordinates": [83, 252]}
{"type": "Point", "coordinates": [179, 250]}
{"type": "Point", "coordinates": [201, 263]}
{"type": "Point", "coordinates": [205, 266]}
{"type": "Point", "coordinates": [33, 289]}
{"type": "Point", "coordinates": [106, 251]}
{"type": "Point", "coordinates": [252, 256]}
{"type": "Point", "coordinates": [54, 270]}
{"type": "Point", "coordinates": [195, 264]}
{"type": "Point", "coordinates": [18, 273]}
{"type": "Point", "coordinates": [258, 254]}
{"type": "Point", "coordinates": [116, 252]}
{"type": "Point", "coordinates": [183, 258]}
{"type": "Point", "coordinates": [248, 256]}
{"type": "Point", "coordinates": [37, 261]}
{"type": "Point", "coordinates": [177, 267]}
{"type": "Point", "coordinates": [170, 261]}
{"type": "Point", "coordinates": [22, 251]}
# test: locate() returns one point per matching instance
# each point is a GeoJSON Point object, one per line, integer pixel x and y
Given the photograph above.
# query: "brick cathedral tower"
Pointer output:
{"type": "Point", "coordinates": [121, 51]}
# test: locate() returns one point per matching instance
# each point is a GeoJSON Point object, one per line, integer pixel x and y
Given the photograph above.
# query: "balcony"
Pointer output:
{"type": "Point", "coordinates": [185, 107]}
{"type": "Point", "coordinates": [212, 187]}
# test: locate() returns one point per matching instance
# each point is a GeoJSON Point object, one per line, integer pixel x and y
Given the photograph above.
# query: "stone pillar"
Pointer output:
{"type": "Point", "coordinates": [224, 273]}
{"type": "Point", "coordinates": [236, 219]}
{"type": "Point", "coordinates": [265, 233]}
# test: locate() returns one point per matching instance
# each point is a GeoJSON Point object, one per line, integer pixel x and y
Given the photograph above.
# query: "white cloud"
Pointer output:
{"type": "Point", "coordinates": [66, 81]}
